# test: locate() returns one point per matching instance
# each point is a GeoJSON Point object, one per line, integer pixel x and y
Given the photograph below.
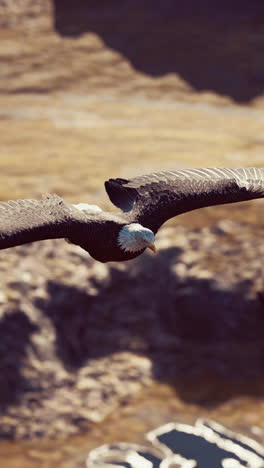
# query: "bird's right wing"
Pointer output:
{"type": "Point", "coordinates": [25, 221]}
{"type": "Point", "coordinates": [154, 198]}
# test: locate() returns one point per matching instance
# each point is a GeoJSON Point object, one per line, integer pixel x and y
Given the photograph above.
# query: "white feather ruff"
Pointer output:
{"type": "Point", "coordinates": [135, 237]}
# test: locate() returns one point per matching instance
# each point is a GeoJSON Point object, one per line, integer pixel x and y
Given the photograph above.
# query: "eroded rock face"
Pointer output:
{"type": "Point", "coordinates": [78, 338]}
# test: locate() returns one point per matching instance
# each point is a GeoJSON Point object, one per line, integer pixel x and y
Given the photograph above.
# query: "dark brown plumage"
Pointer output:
{"type": "Point", "coordinates": [147, 201]}
{"type": "Point", "coordinates": [155, 198]}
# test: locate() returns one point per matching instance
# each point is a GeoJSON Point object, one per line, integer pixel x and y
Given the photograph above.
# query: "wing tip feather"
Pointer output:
{"type": "Point", "coordinates": [122, 197]}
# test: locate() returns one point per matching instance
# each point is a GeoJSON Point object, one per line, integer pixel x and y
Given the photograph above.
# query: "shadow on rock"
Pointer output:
{"type": "Point", "coordinates": [204, 340]}
{"type": "Point", "coordinates": [117, 315]}
{"type": "Point", "coordinates": [211, 47]}
{"type": "Point", "coordinates": [15, 335]}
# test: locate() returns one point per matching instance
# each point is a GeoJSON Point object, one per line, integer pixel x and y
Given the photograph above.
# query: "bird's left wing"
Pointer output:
{"type": "Point", "coordinates": [25, 221]}
{"type": "Point", "coordinates": [152, 199]}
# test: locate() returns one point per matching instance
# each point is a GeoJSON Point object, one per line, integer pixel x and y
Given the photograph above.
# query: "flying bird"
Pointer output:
{"type": "Point", "coordinates": [146, 202]}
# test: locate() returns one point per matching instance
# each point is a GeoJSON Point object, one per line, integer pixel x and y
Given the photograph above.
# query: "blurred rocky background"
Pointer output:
{"type": "Point", "coordinates": [92, 90]}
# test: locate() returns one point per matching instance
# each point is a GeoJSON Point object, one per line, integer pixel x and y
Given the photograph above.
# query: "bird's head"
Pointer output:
{"type": "Point", "coordinates": [134, 237]}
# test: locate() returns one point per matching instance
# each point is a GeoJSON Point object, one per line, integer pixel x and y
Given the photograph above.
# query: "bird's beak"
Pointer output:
{"type": "Point", "coordinates": [152, 247]}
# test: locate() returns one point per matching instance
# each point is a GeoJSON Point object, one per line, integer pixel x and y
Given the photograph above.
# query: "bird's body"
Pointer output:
{"type": "Point", "coordinates": [100, 235]}
{"type": "Point", "coordinates": [146, 203]}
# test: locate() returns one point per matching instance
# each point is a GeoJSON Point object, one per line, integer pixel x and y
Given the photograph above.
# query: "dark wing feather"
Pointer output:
{"type": "Point", "coordinates": [119, 196]}
{"type": "Point", "coordinates": [158, 197]}
{"type": "Point", "coordinates": [25, 221]}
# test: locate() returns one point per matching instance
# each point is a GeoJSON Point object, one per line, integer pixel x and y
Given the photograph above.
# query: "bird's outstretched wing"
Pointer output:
{"type": "Point", "coordinates": [25, 221]}
{"type": "Point", "coordinates": [152, 199]}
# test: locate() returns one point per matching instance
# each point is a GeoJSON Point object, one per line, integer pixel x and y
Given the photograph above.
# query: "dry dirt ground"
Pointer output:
{"type": "Point", "coordinates": [82, 101]}
{"type": "Point", "coordinates": [71, 143]}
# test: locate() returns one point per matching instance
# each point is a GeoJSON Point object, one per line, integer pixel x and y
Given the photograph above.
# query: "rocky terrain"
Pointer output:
{"type": "Point", "coordinates": [78, 338]}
